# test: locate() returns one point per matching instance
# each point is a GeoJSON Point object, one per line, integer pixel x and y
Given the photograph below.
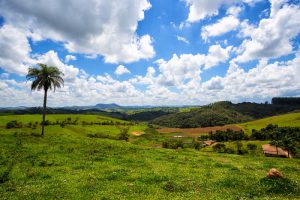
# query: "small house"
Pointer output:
{"type": "Point", "coordinates": [269, 150]}
{"type": "Point", "coordinates": [208, 143]}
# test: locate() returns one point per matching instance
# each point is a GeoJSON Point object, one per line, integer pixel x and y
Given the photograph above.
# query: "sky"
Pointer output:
{"type": "Point", "coordinates": [151, 52]}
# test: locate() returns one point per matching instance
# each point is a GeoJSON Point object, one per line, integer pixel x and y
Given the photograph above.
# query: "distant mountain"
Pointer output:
{"type": "Point", "coordinates": [108, 106]}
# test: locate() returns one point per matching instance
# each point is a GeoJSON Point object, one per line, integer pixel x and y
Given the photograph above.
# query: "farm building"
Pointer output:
{"type": "Point", "coordinates": [269, 150]}
{"type": "Point", "coordinates": [208, 143]}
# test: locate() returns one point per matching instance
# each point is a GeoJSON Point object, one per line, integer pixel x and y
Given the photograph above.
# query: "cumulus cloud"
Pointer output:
{"type": "Point", "coordinates": [234, 10]}
{"type": "Point", "coordinates": [216, 55]}
{"type": "Point", "coordinates": [215, 83]}
{"type": "Point", "coordinates": [51, 58]}
{"type": "Point", "coordinates": [261, 82]}
{"type": "Point", "coordinates": [121, 69]}
{"type": "Point", "coordinates": [200, 9]}
{"type": "Point", "coordinates": [273, 36]}
{"type": "Point", "coordinates": [187, 67]}
{"type": "Point", "coordinates": [178, 69]}
{"type": "Point", "coordinates": [68, 58]}
{"type": "Point", "coordinates": [99, 27]}
{"type": "Point", "coordinates": [15, 50]}
{"type": "Point", "coordinates": [246, 29]}
{"type": "Point", "coordinates": [222, 26]}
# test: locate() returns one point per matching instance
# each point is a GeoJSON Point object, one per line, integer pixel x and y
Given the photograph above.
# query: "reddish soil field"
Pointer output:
{"type": "Point", "coordinates": [198, 131]}
{"type": "Point", "coordinates": [137, 133]}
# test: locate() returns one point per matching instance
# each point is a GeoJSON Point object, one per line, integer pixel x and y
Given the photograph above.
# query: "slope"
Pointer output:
{"type": "Point", "coordinates": [291, 119]}
{"type": "Point", "coordinates": [66, 164]}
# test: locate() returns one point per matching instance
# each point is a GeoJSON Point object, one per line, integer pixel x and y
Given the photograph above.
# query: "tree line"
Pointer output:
{"type": "Point", "coordinates": [286, 100]}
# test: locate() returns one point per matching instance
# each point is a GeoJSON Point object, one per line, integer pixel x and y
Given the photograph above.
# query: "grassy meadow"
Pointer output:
{"type": "Point", "coordinates": [69, 165]}
{"type": "Point", "coordinates": [291, 119]}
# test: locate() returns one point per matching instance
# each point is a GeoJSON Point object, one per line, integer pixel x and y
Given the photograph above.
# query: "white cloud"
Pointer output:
{"type": "Point", "coordinates": [222, 26]}
{"type": "Point", "coordinates": [216, 55]}
{"type": "Point", "coordinates": [200, 9]}
{"type": "Point", "coordinates": [121, 69]}
{"type": "Point", "coordinates": [276, 5]}
{"type": "Point", "coordinates": [234, 10]}
{"type": "Point", "coordinates": [259, 83]}
{"type": "Point", "coordinates": [99, 27]}
{"type": "Point", "coordinates": [149, 79]}
{"type": "Point", "coordinates": [179, 69]}
{"type": "Point", "coordinates": [182, 39]}
{"type": "Point", "coordinates": [15, 50]}
{"type": "Point", "coordinates": [186, 68]}
{"type": "Point", "coordinates": [246, 29]}
{"type": "Point", "coordinates": [272, 38]}
{"type": "Point", "coordinates": [68, 58]}
{"type": "Point", "coordinates": [51, 58]}
{"type": "Point", "coordinates": [215, 83]}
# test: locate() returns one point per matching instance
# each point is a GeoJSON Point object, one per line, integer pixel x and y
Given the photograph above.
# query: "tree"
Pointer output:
{"type": "Point", "coordinates": [44, 78]}
{"type": "Point", "coordinates": [276, 143]}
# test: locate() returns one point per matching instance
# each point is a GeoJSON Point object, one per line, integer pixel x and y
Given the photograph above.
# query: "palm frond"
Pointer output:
{"type": "Point", "coordinates": [45, 77]}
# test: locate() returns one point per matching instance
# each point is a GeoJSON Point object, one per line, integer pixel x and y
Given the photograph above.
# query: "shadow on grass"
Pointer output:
{"type": "Point", "coordinates": [279, 186]}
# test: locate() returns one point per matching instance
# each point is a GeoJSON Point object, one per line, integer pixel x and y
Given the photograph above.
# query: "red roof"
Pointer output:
{"type": "Point", "coordinates": [268, 149]}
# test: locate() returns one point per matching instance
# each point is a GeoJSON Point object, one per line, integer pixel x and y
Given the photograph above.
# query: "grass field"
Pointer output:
{"type": "Point", "coordinates": [292, 119]}
{"type": "Point", "coordinates": [60, 117]}
{"type": "Point", "coordinates": [67, 164]}
{"type": "Point", "coordinates": [193, 132]}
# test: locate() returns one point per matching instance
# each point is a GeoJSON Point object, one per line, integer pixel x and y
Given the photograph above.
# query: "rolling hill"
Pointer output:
{"type": "Point", "coordinates": [221, 113]}
{"type": "Point", "coordinates": [66, 164]}
{"type": "Point", "coordinates": [290, 119]}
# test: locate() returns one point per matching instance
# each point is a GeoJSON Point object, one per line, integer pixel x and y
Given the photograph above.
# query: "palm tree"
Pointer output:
{"type": "Point", "coordinates": [45, 77]}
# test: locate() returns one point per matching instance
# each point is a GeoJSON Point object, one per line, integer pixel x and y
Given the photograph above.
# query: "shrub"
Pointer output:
{"type": "Point", "coordinates": [229, 150]}
{"type": "Point", "coordinates": [239, 146]}
{"type": "Point", "coordinates": [4, 176]}
{"type": "Point", "coordinates": [62, 125]}
{"type": "Point", "coordinates": [219, 147]}
{"type": "Point", "coordinates": [124, 134]}
{"type": "Point", "coordinates": [13, 124]}
{"type": "Point", "coordinates": [29, 124]}
{"type": "Point", "coordinates": [197, 145]}
{"type": "Point", "coordinates": [252, 146]}
{"type": "Point", "coordinates": [172, 144]}
{"type": "Point", "coordinates": [165, 144]}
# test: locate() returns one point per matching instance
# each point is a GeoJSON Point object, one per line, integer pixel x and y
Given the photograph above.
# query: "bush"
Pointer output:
{"type": "Point", "coordinates": [14, 124]}
{"type": "Point", "coordinates": [229, 150]}
{"type": "Point", "coordinates": [251, 146]}
{"type": "Point", "coordinates": [172, 144]}
{"type": "Point", "coordinates": [124, 134]}
{"type": "Point", "coordinates": [219, 147]}
{"type": "Point", "coordinates": [197, 145]}
{"type": "Point", "coordinates": [239, 147]}
{"type": "Point", "coordinates": [62, 125]}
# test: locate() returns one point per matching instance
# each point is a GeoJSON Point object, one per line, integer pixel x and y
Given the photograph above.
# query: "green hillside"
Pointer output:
{"type": "Point", "coordinates": [66, 164]}
{"type": "Point", "coordinates": [221, 113]}
{"type": "Point", "coordinates": [212, 115]}
{"type": "Point", "coordinates": [291, 119]}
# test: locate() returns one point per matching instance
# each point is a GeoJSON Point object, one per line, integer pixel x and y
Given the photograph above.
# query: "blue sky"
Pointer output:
{"type": "Point", "coordinates": [151, 52]}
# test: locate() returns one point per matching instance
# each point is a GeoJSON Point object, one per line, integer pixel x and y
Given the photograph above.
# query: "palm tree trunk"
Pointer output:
{"type": "Point", "coordinates": [44, 111]}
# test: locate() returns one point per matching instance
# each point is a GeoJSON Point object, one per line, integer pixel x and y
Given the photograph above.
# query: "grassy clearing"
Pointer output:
{"type": "Point", "coordinates": [194, 132]}
{"type": "Point", "coordinates": [67, 164]}
{"type": "Point", "coordinates": [33, 118]}
{"type": "Point", "coordinates": [292, 119]}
